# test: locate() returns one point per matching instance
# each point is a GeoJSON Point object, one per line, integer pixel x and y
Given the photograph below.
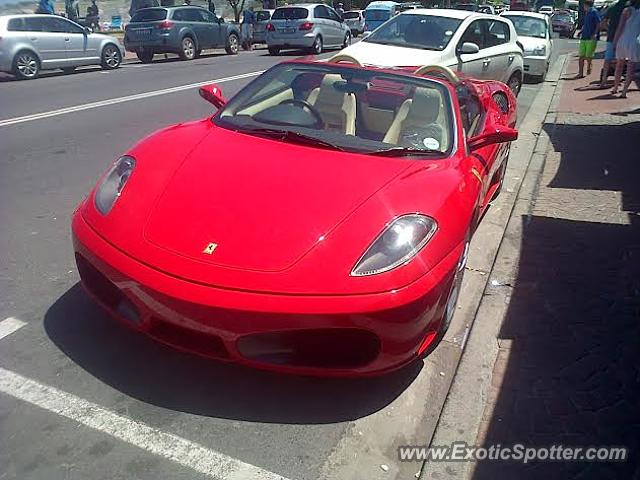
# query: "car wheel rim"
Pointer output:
{"type": "Point", "coordinates": [452, 301]}
{"type": "Point", "coordinates": [318, 45]}
{"type": "Point", "coordinates": [112, 57]}
{"type": "Point", "coordinates": [347, 40]}
{"type": "Point", "coordinates": [187, 48]}
{"type": "Point", "coordinates": [233, 43]}
{"type": "Point", "coordinates": [514, 85]}
{"type": "Point", "coordinates": [27, 65]}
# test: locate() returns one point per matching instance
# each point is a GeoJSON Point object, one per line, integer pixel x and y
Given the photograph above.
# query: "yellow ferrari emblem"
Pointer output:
{"type": "Point", "coordinates": [476, 174]}
{"type": "Point", "coordinates": [210, 248]}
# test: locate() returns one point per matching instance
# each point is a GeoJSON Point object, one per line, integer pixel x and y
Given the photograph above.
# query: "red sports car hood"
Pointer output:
{"type": "Point", "coordinates": [256, 204]}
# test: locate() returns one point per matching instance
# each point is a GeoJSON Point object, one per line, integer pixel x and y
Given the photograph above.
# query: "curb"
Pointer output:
{"type": "Point", "coordinates": [497, 237]}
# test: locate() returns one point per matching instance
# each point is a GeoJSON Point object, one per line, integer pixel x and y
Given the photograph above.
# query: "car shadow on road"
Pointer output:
{"type": "Point", "coordinates": [571, 370]}
{"type": "Point", "coordinates": [153, 373]}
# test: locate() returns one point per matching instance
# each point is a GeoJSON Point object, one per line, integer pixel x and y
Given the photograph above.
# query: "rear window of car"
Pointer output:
{"type": "Point", "coordinates": [295, 13]}
{"type": "Point", "coordinates": [377, 15]}
{"type": "Point", "coordinates": [562, 18]}
{"type": "Point", "coordinates": [16, 25]}
{"type": "Point", "coordinates": [262, 16]}
{"type": "Point", "coordinates": [149, 15]}
{"type": "Point", "coordinates": [351, 15]}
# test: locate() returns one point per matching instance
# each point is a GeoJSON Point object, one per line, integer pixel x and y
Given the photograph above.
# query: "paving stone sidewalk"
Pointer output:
{"type": "Point", "coordinates": [568, 370]}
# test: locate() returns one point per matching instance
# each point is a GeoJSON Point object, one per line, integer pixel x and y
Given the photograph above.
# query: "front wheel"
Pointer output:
{"type": "Point", "coordinates": [347, 40]}
{"type": "Point", "coordinates": [233, 43]}
{"type": "Point", "coordinates": [316, 48]}
{"type": "Point", "coordinates": [111, 57]}
{"type": "Point", "coordinates": [515, 83]}
{"type": "Point", "coordinates": [187, 49]}
{"type": "Point", "coordinates": [273, 50]}
{"type": "Point", "coordinates": [26, 65]}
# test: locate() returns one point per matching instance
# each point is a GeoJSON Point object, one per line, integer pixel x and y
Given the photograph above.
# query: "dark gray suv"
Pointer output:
{"type": "Point", "coordinates": [182, 30]}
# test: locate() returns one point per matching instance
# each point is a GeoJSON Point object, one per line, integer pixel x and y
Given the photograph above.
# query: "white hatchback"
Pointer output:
{"type": "Point", "coordinates": [478, 45]}
{"type": "Point", "coordinates": [534, 33]}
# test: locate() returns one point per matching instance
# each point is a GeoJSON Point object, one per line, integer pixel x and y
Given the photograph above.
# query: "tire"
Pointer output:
{"type": "Point", "coordinates": [68, 70]}
{"type": "Point", "coordinates": [145, 56]}
{"type": "Point", "coordinates": [273, 50]}
{"type": "Point", "coordinates": [347, 40]}
{"type": "Point", "coordinates": [316, 48]}
{"type": "Point", "coordinates": [198, 53]}
{"type": "Point", "coordinates": [503, 171]}
{"type": "Point", "coordinates": [233, 44]}
{"type": "Point", "coordinates": [111, 57]}
{"type": "Point", "coordinates": [515, 83]}
{"type": "Point", "coordinates": [26, 65]}
{"type": "Point", "coordinates": [187, 48]}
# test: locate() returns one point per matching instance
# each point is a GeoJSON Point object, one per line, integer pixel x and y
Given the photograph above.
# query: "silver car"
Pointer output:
{"type": "Point", "coordinates": [308, 26]}
{"type": "Point", "coordinates": [355, 21]}
{"type": "Point", "coordinates": [31, 43]}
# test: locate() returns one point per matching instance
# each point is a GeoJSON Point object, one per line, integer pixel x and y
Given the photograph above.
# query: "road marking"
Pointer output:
{"type": "Point", "coordinates": [128, 98]}
{"type": "Point", "coordinates": [10, 325]}
{"type": "Point", "coordinates": [171, 447]}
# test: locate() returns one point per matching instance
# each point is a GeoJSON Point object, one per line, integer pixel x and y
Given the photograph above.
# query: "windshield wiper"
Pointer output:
{"type": "Point", "coordinates": [291, 136]}
{"type": "Point", "coordinates": [405, 151]}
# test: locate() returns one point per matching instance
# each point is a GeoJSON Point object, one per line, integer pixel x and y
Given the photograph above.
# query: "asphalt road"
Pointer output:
{"type": "Point", "coordinates": [298, 428]}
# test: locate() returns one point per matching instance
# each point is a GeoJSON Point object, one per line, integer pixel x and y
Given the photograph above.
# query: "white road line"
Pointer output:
{"type": "Point", "coordinates": [10, 325]}
{"type": "Point", "coordinates": [128, 98]}
{"type": "Point", "coordinates": [171, 447]}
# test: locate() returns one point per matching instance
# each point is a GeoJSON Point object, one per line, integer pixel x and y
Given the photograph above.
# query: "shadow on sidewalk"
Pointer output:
{"type": "Point", "coordinates": [573, 370]}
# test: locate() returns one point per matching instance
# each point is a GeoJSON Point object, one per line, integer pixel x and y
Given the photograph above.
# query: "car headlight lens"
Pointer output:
{"type": "Point", "coordinates": [540, 51]}
{"type": "Point", "coordinates": [113, 184]}
{"type": "Point", "coordinates": [400, 241]}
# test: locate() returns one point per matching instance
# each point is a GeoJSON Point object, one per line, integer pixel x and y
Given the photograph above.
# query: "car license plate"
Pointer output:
{"type": "Point", "coordinates": [290, 30]}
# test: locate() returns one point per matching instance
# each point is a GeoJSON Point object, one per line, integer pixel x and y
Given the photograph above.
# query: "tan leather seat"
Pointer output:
{"type": "Point", "coordinates": [416, 114]}
{"type": "Point", "coordinates": [337, 109]}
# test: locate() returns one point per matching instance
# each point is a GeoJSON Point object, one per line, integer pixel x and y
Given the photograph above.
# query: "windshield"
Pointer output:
{"type": "Point", "coordinates": [529, 26]}
{"type": "Point", "coordinates": [295, 13]}
{"type": "Point", "coordinates": [416, 31]}
{"type": "Point", "coordinates": [149, 15]}
{"type": "Point", "coordinates": [351, 15]}
{"type": "Point", "coordinates": [337, 107]}
{"type": "Point", "coordinates": [564, 18]}
{"type": "Point", "coordinates": [377, 15]}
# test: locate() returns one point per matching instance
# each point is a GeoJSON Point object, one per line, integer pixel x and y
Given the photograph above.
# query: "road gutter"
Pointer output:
{"type": "Point", "coordinates": [494, 257]}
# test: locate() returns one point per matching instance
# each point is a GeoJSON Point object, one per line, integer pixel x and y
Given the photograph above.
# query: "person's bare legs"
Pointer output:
{"type": "Point", "coordinates": [581, 67]}
{"type": "Point", "coordinates": [605, 73]}
{"type": "Point", "coordinates": [631, 68]}
{"type": "Point", "coordinates": [589, 65]}
{"type": "Point", "coordinates": [616, 82]}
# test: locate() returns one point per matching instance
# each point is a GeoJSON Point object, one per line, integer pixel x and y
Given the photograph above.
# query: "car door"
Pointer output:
{"type": "Point", "coordinates": [49, 44]}
{"type": "Point", "coordinates": [80, 49]}
{"type": "Point", "coordinates": [498, 55]}
{"type": "Point", "coordinates": [329, 30]}
{"type": "Point", "coordinates": [203, 28]}
{"type": "Point", "coordinates": [473, 64]}
{"type": "Point", "coordinates": [336, 23]}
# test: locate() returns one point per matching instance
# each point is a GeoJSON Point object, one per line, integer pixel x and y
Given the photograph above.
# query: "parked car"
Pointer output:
{"type": "Point", "coordinates": [564, 24]}
{"type": "Point", "coordinates": [183, 30]}
{"type": "Point", "coordinates": [482, 46]}
{"type": "Point", "coordinates": [546, 10]}
{"type": "Point", "coordinates": [263, 17]}
{"type": "Point", "coordinates": [378, 12]}
{"type": "Point", "coordinates": [32, 43]}
{"type": "Point", "coordinates": [355, 21]}
{"type": "Point", "coordinates": [312, 26]}
{"type": "Point", "coordinates": [319, 223]}
{"type": "Point", "coordinates": [534, 33]}
{"type": "Point", "coordinates": [469, 7]}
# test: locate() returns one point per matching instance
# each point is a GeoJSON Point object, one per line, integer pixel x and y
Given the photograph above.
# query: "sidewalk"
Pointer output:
{"type": "Point", "coordinates": [564, 298]}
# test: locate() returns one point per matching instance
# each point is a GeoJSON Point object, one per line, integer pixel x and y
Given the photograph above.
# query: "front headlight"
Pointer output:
{"type": "Point", "coordinates": [400, 241]}
{"type": "Point", "coordinates": [113, 184]}
{"type": "Point", "coordinates": [540, 51]}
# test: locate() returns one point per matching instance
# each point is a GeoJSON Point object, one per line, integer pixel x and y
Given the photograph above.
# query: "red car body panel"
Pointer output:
{"type": "Point", "coordinates": [289, 221]}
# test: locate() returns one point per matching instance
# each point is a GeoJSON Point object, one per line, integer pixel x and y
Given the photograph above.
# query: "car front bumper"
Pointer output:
{"type": "Point", "coordinates": [535, 65]}
{"type": "Point", "coordinates": [328, 335]}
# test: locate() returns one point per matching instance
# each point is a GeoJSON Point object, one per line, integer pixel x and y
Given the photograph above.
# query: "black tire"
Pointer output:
{"type": "Point", "coordinates": [111, 57]}
{"type": "Point", "coordinates": [68, 70]}
{"type": "Point", "coordinates": [347, 40]}
{"type": "Point", "coordinates": [274, 50]}
{"type": "Point", "coordinates": [198, 53]}
{"type": "Point", "coordinates": [316, 48]}
{"type": "Point", "coordinates": [187, 48]}
{"type": "Point", "coordinates": [515, 83]}
{"type": "Point", "coordinates": [145, 56]}
{"type": "Point", "coordinates": [233, 44]}
{"type": "Point", "coordinates": [26, 65]}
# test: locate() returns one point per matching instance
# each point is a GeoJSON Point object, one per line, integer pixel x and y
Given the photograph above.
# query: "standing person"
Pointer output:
{"type": "Point", "coordinates": [212, 6]}
{"type": "Point", "coordinates": [340, 10]}
{"type": "Point", "coordinates": [72, 9]}
{"type": "Point", "coordinates": [93, 16]}
{"type": "Point", "coordinates": [588, 37]}
{"type": "Point", "coordinates": [627, 46]}
{"type": "Point", "coordinates": [612, 17]}
{"type": "Point", "coordinates": [45, 6]}
{"type": "Point", "coordinates": [246, 29]}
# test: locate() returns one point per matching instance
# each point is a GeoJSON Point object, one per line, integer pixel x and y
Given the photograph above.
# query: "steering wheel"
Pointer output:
{"type": "Point", "coordinates": [441, 70]}
{"type": "Point", "coordinates": [306, 105]}
{"type": "Point", "coordinates": [343, 57]}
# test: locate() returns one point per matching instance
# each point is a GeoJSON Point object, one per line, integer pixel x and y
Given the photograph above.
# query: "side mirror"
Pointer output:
{"type": "Point", "coordinates": [365, 35]}
{"type": "Point", "coordinates": [213, 94]}
{"type": "Point", "coordinates": [468, 48]}
{"type": "Point", "coordinates": [491, 137]}
{"type": "Point", "coordinates": [87, 30]}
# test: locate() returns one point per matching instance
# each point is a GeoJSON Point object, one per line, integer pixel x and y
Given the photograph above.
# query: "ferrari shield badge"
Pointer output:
{"type": "Point", "coordinates": [209, 249]}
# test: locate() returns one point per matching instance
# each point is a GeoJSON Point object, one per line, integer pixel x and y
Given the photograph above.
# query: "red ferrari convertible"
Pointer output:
{"type": "Point", "coordinates": [318, 223]}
